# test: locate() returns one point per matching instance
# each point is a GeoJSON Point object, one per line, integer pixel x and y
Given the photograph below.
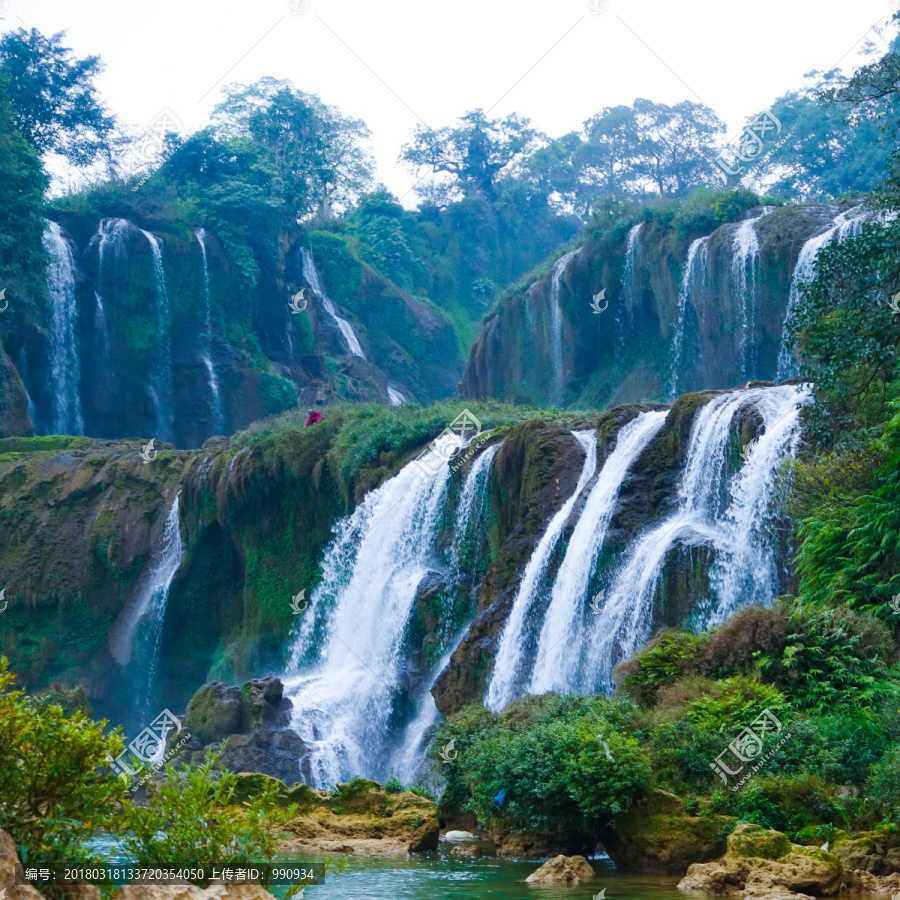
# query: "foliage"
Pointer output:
{"type": "Point", "coordinates": [53, 794]}
{"type": "Point", "coordinates": [560, 763]}
{"type": "Point", "coordinates": [56, 106]}
{"type": "Point", "coordinates": [191, 818]}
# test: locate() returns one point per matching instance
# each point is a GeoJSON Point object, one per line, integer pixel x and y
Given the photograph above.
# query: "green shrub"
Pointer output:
{"type": "Point", "coordinates": [394, 786]}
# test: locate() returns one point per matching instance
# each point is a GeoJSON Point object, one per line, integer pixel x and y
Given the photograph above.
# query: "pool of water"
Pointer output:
{"type": "Point", "coordinates": [438, 875]}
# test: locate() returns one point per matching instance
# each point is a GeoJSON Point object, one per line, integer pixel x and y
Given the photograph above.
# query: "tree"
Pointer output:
{"type": "Point", "coordinates": [476, 153]}
{"type": "Point", "coordinates": [316, 151]}
{"type": "Point", "coordinates": [55, 102]}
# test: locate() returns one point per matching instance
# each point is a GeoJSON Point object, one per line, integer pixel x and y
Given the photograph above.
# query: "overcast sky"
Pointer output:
{"type": "Point", "coordinates": [400, 62]}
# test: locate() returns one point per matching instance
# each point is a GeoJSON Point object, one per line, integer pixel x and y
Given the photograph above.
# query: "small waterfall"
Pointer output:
{"type": "Point", "coordinates": [511, 653]}
{"type": "Point", "coordinates": [396, 398]}
{"type": "Point", "coordinates": [311, 275]}
{"type": "Point", "coordinates": [844, 224]}
{"type": "Point", "coordinates": [102, 330]}
{"type": "Point", "coordinates": [745, 269]}
{"type": "Point", "coordinates": [563, 634]}
{"type": "Point", "coordinates": [471, 505]}
{"type": "Point", "coordinates": [347, 667]}
{"type": "Point", "coordinates": [65, 368]}
{"type": "Point", "coordinates": [135, 638]}
{"type": "Point", "coordinates": [709, 512]}
{"type": "Point", "coordinates": [207, 339]}
{"type": "Point", "coordinates": [556, 327]}
{"type": "Point", "coordinates": [697, 264]}
{"type": "Point", "coordinates": [631, 285]}
{"type": "Point", "coordinates": [162, 396]}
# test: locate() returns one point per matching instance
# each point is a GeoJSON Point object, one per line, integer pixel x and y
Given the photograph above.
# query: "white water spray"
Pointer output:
{"type": "Point", "coordinates": [310, 273]}
{"type": "Point", "coordinates": [511, 653]}
{"type": "Point", "coordinates": [207, 339]}
{"type": "Point", "coordinates": [556, 359]}
{"type": "Point", "coordinates": [162, 395]}
{"type": "Point", "coordinates": [694, 277]}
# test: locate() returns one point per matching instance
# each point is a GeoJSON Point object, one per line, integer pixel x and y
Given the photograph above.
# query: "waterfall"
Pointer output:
{"type": "Point", "coordinates": [631, 284]}
{"type": "Point", "coordinates": [711, 511]}
{"type": "Point", "coordinates": [745, 265]}
{"type": "Point", "coordinates": [311, 275]}
{"type": "Point", "coordinates": [162, 396]}
{"type": "Point", "coordinates": [697, 262]}
{"type": "Point", "coordinates": [65, 369]}
{"type": "Point", "coordinates": [137, 633]}
{"type": "Point", "coordinates": [842, 226]}
{"type": "Point", "coordinates": [556, 327]}
{"type": "Point", "coordinates": [511, 653]}
{"type": "Point", "coordinates": [207, 339]}
{"type": "Point", "coordinates": [563, 633]}
{"type": "Point", "coordinates": [396, 398]}
{"type": "Point", "coordinates": [347, 669]}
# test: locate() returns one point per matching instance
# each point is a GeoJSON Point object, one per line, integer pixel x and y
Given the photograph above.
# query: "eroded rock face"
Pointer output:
{"type": "Point", "coordinates": [569, 870]}
{"type": "Point", "coordinates": [871, 860]}
{"type": "Point", "coordinates": [253, 720]}
{"type": "Point", "coordinates": [765, 864]}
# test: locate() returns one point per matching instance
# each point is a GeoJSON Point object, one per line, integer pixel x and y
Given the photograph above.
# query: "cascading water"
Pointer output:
{"type": "Point", "coordinates": [396, 398]}
{"type": "Point", "coordinates": [136, 635]}
{"type": "Point", "coordinates": [844, 224]}
{"type": "Point", "coordinates": [347, 667]}
{"type": "Point", "coordinates": [64, 363]}
{"type": "Point", "coordinates": [631, 283]}
{"type": "Point", "coordinates": [561, 643]}
{"type": "Point", "coordinates": [207, 339]}
{"type": "Point", "coordinates": [509, 661]}
{"type": "Point", "coordinates": [711, 512]}
{"type": "Point", "coordinates": [745, 270]}
{"type": "Point", "coordinates": [694, 276]}
{"type": "Point", "coordinates": [556, 359]}
{"type": "Point", "coordinates": [162, 395]}
{"type": "Point", "coordinates": [310, 273]}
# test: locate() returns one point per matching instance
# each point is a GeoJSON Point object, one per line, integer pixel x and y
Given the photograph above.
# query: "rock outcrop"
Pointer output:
{"type": "Point", "coordinates": [253, 722]}
{"type": "Point", "coordinates": [9, 859]}
{"type": "Point", "coordinates": [765, 865]}
{"type": "Point", "coordinates": [658, 835]}
{"type": "Point", "coordinates": [871, 860]}
{"type": "Point", "coordinates": [568, 870]}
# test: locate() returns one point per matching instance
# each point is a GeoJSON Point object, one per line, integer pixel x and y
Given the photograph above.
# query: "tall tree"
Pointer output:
{"type": "Point", "coordinates": [475, 153]}
{"type": "Point", "coordinates": [55, 103]}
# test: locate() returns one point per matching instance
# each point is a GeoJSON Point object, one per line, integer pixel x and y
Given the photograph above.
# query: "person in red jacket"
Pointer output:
{"type": "Point", "coordinates": [314, 418]}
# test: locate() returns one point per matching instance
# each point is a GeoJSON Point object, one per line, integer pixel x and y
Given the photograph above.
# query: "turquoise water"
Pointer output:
{"type": "Point", "coordinates": [434, 876]}
{"type": "Point", "coordinates": [438, 875]}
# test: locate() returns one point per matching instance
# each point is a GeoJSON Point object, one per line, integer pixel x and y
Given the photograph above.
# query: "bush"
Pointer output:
{"type": "Point", "coordinates": [394, 786]}
{"type": "Point", "coordinates": [883, 787]}
{"type": "Point", "coordinates": [191, 818]}
{"type": "Point", "coordinates": [662, 661]}
{"type": "Point", "coordinates": [53, 796]}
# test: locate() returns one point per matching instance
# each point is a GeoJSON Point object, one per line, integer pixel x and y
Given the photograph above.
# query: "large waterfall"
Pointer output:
{"type": "Point", "coordinates": [162, 391]}
{"type": "Point", "coordinates": [311, 274]}
{"type": "Point", "coordinates": [844, 224]}
{"type": "Point", "coordinates": [349, 672]}
{"type": "Point", "coordinates": [726, 515]}
{"type": "Point", "coordinates": [512, 650]}
{"type": "Point", "coordinates": [694, 277]}
{"type": "Point", "coordinates": [65, 368]}
{"type": "Point", "coordinates": [556, 357]}
{"type": "Point", "coordinates": [745, 270]}
{"type": "Point", "coordinates": [207, 340]}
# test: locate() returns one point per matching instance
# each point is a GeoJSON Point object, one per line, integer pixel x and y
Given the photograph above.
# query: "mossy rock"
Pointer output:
{"type": "Point", "coordinates": [251, 784]}
{"type": "Point", "coordinates": [756, 841]}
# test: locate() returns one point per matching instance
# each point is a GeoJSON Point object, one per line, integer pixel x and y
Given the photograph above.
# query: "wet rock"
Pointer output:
{"type": "Point", "coordinates": [570, 870]}
{"type": "Point", "coordinates": [459, 836]}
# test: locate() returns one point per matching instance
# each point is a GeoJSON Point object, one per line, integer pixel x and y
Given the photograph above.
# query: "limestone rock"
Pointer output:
{"type": "Point", "coordinates": [9, 859]}
{"type": "Point", "coordinates": [459, 836]}
{"type": "Point", "coordinates": [764, 865]}
{"type": "Point", "coordinates": [569, 870]}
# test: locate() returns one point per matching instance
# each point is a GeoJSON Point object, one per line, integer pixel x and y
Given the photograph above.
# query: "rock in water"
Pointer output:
{"type": "Point", "coordinates": [459, 836]}
{"type": "Point", "coordinates": [764, 865]}
{"type": "Point", "coordinates": [562, 870]}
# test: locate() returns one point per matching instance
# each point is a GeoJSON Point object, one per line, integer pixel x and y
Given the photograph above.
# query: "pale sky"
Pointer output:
{"type": "Point", "coordinates": [399, 62]}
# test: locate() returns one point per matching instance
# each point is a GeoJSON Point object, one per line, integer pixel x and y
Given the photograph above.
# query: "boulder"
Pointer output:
{"type": "Point", "coordinates": [871, 860]}
{"type": "Point", "coordinates": [215, 712]}
{"type": "Point", "coordinates": [465, 850]}
{"type": "Point", "coordinates": [764, 865]}
{"type": "Point", "coordinates": [460, 836]}
{"type": "Point", "coordinates": [570, 870]}
{"type": "Point", "coordinates": [281, 754]}
{"type": "Point", "coordinates": [659, 835]}
{"type": "Point", "coordinates": [9, 859]}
